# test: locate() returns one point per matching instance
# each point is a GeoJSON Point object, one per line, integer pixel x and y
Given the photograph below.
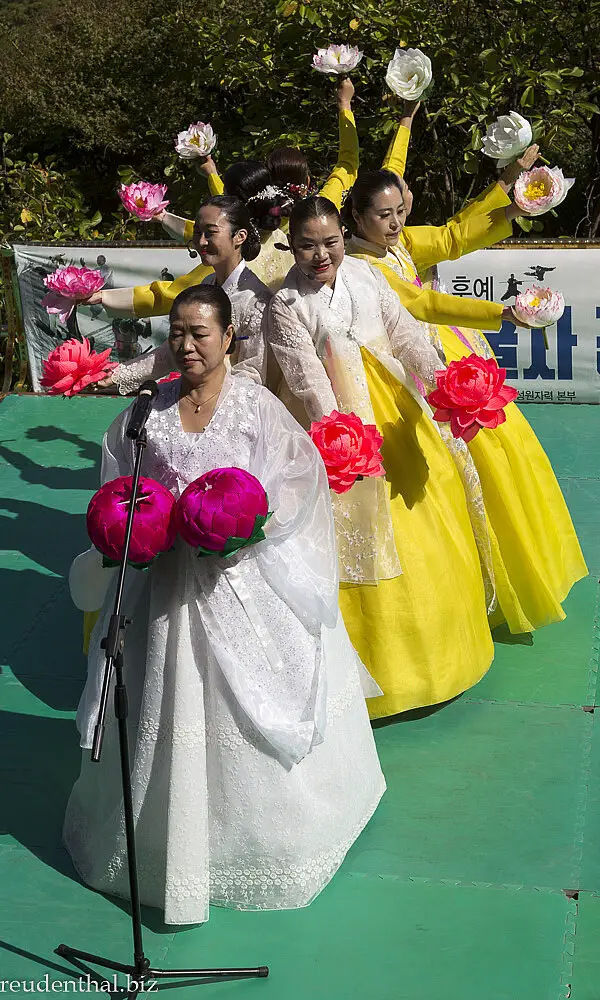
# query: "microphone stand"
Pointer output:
{"type": "Point", "coordinates": [139, 972]}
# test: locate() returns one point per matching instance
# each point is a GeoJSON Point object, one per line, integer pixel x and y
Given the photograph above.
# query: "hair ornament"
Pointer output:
{"type": "Point", "coordinates": [270, 191]}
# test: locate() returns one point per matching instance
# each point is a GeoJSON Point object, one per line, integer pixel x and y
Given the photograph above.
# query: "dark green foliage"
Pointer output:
{"type": "Point", "coordinates": [102, 89]}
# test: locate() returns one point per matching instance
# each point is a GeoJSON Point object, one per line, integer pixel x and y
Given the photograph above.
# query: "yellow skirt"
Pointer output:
{"type": "Point", "coordinates": [536, 554]}
{"type": "Point", "coordinates": [89, 620]}
{"type": "Point", "coordinates": [424, 636]}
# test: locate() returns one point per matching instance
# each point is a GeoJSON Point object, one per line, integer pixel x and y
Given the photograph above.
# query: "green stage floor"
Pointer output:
{"type": "Point", "coordinates": [479, 877]}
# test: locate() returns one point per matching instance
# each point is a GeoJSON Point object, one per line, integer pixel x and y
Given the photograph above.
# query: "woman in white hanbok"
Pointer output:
{"type": "Point", "coordinates": [412, 590]}
{"type": "Point", "coordinates": [253, 763]}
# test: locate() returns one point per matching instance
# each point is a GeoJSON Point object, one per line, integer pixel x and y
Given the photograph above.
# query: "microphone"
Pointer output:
{"type": "Point", "coordinates": [141, 409]}
{"type": "Point", "coordinates": [192, 253]}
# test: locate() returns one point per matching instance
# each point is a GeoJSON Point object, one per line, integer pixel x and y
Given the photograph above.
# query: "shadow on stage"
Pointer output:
{"type": "Point", "coordinates": [42, 636]}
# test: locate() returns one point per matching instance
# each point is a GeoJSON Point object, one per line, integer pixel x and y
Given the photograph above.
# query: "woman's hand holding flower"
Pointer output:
{"type": "Point", "coordinates": [525, 162]}
{"type": "Point", "coordinates": [345, 93]}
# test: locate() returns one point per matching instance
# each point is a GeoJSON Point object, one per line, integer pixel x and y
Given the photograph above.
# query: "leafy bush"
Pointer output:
{"type": "Point", "coordinates": [102, 87]}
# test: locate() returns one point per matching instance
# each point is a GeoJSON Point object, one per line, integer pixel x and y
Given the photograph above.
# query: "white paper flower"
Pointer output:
{"type": "Point", "coordinates": [507, 138]}
{"type": "Point", "coordinates": [197, 140]}
{"type": "Point", "coordinates": [539, 190]}
{"type": "Point", "coordinates": [337, 59]}
{"type": "Point", "coordinates": [539, 307]}
{"type": "Point", "coordinates": [409, 73]}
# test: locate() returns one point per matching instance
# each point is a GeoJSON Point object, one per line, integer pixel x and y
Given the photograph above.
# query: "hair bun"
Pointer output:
{"type": "Point", "coordinates": [251, 246]}
{"type": "Point", "coordinates": [269, 206]}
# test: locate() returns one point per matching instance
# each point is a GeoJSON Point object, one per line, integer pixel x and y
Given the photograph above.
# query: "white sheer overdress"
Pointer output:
{"type": "Point", "coordinates": [253, 762]}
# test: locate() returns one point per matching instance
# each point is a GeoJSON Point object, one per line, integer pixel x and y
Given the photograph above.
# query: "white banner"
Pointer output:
{"type": "Point", "coordinates": [566, 372]}
{"type": "Point", "coordinates": [121, 267]}
{"type": "Point", "coordinates": [569, 370]}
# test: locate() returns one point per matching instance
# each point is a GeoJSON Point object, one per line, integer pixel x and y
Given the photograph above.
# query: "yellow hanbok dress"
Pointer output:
{"type": "Point", "coordinates": [535, 552]}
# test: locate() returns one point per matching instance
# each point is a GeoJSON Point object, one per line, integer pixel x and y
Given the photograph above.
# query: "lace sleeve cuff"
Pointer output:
{"type": "Point", "coordinates": [153, 365]}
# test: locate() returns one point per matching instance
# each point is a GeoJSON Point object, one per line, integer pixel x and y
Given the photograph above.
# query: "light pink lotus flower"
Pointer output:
{"type": "Point", "coordinates": [337, 59]}
{"type": "Point", "coordinates": [72, 366]}
{"type": "Point", "coordinates": [539, 307]}
{"type": "Point", "coordinates": [67, 286]}
{"type": "Point", "coordinates": [197, 140]}
{"type": "Point", "coordinates": [144, 200]}
{"type": "Point", "coordinates": [541, 189]}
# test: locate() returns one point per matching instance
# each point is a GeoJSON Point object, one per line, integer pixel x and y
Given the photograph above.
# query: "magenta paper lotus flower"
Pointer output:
{"type": "Point", "coordinates": [143, 199]}
{"type": "Point", "coordinates": [337, 59]}
{"type": "Point", "coordinates": [67, 286]}
{"type": "Point", "coordinates": [222, 512]}
{"type": "Point", "coordinates": [539, 190]}
{"type": "Point", "coordinates": [72, 366]}
{"type": "Point", "coordinates": [197, 140]}
{"type": "Point", "coordinates": [349, 449]}
{"type": "Point", "coordinates": [471, 394]}
{"type": "Point", "coordinates": [539, 307]}
{"type": "Point", "coordinates": [153, 530]}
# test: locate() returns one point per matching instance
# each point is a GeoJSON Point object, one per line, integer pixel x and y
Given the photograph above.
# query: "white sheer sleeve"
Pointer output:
{"type": "Point", "coordinates": [295, 352]}
{"type": "Point", "coordinates": [174, 225]}
{"type": "Point", "coordinates": [408, 339]}
{"type": "Point", "coordinates": [117, 450]}
{"type": "Point", "coordinates": [251, 359]}
{"type": "Point", "coordinates": [153, 365]}
{"type": "Point", "coordinates": [299, 558]}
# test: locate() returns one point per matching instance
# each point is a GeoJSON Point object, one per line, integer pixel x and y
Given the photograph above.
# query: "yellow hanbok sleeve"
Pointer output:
{"type": "Point", "coordinates": [447, 310]}
{"type": "Point", "coordinates": [157, 298]}
{"type": "Point", "coordinates": [492, 198]}
{"type": "Point", "coordinates": [395, 158]}
{"type": "Point", "coordinates": [430, 245]}
{"type": "Point", "coordinates": [215, 184]}
{"type": "Point", "coordinates": [438, 308]}
{"type": "Point", "coordinates": [345, 172]}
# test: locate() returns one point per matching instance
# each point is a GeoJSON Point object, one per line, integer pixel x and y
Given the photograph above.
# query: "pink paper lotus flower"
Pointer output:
{"type": "Point", "coordinates": [144, 200]}
{"type": "Point", "coordinates": [539, 307]}
{"type": "Point", "coordinates": [67, 286]}
{"type": "Point", "coordinates": [153, 530]}
{"type": "Point", "coordinates": [337, 59]}
{"type": "Point", "coordinates": [197, 140]}
{"type": "Point", "coordinates": [539, 190]}
{"type": "Point", "coordinates": [72, 366]}
{"type": "Point", "coordinates": [349, 449]}
{"type": "Point", "coordinates": [471, 394]}
{"type": "Point", "coordinates": [222, 512]}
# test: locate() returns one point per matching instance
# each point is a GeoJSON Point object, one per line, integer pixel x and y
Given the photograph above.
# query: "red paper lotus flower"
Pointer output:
{"type": "Point", "coordinates": [348, 448]}
{"type": "Point", "coordinates": [222, 511]}
{"type": "Point", "coordinates": [170, 377]}
{"type": "Point", "coordinates": [471, 394]}
{"type": "Point", "coordinates": [72, 366]}
{"type": "Point", "coordinates": [154, 529]}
